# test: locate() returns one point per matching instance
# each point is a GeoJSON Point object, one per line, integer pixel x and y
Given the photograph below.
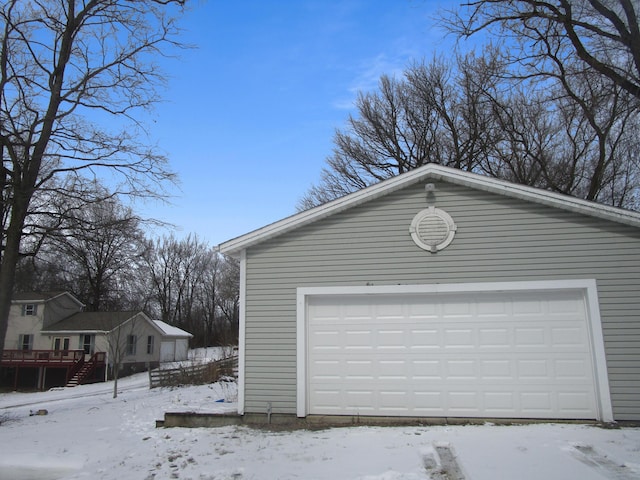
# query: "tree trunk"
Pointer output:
{"type": "Point", "coordinates": [10, 257]}
{"type": "Point", "coordinates": [116, 368]}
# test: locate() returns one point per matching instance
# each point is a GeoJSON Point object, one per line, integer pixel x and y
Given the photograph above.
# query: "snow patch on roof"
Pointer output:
{"type": "Point", "coordinates": [170, 330]}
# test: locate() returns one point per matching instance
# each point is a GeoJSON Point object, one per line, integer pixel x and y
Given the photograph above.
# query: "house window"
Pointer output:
{"type": "Point", "coordinates": [29, 309]}
{"type": "Point", "coordinates": [150, 340]}
{"type": "Point", "coordinates": [61, 343]}
{"type": "Point", "coordinates": [132, 340]}
{"type": "Point", "coordinates": [88, 343]}
{"type": "Point", "coordinates": [25, 342]}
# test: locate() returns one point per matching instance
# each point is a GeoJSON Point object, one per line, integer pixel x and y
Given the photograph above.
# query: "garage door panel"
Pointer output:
{"type": "Point", "coordinates": [494, 309]}
{"type": "Point", "coordinates": [498, 369]}
{"type": "Point", "coordinates": [467, 368]}
{"type": "Point", "coordinates": [570, 336]}
{"type": "Point", "coordinates": [571, 370]}
{"type": "Point", "coordinates": [424, 339]}
{"type": "Point", "coordinates": [502, 355]}
{"type": "Point", "coordinates": [461, 402]}
{"type": "Point", "coordinates": [499, 338]}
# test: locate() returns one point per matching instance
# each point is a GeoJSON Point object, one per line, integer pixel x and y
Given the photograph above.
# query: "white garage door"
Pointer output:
{"type": "Point", "coordinates": [506, 354]}
{"type": "Point", "coordinates": [168, 351]}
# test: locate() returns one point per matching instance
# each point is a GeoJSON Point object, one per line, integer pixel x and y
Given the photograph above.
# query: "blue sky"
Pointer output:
{"type": "Point", "coordinates": [248, 117]}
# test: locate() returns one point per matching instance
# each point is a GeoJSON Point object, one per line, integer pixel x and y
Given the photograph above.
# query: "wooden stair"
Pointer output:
{"type": "Point", "coordinates": [86, 369]}
{"type": "Point", "coordinates": [80, 375]}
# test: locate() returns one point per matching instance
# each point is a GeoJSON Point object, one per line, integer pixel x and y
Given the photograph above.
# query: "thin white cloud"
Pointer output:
{"type": "Point", "coordinates": [367, 76]}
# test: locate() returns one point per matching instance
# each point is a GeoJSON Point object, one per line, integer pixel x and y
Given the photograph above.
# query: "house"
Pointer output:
{"type": "Point", "coordinates": [51, 341]}
{"type": "Point", "coordinates": [174, 346]}
{"type": "Point", "coordinates": [442, 293]}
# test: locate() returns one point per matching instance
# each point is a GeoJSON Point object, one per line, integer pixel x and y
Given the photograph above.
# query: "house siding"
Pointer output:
{"type": "Point", "coordinates": [116, 343]}
{"type": "Point", "coordinates": [48, 312]}
{"type": "Point", "coordinates": [498, 239]}
{"type": "Point", "coordinates": [24, 325]}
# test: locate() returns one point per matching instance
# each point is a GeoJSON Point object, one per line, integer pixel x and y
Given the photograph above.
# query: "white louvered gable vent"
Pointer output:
{"type": "Point", "coordinates": [432, 229]}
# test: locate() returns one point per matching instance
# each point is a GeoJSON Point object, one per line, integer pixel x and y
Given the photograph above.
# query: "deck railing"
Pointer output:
{"type": "Point", "coordinates": [85, 369]}
{"type": "Point", "coordinates": [39, 357]}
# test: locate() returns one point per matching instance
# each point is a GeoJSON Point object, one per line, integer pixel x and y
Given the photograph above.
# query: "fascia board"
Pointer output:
{"type": "Point", "coordinates": [234, 246]}
{"type": "Point", "coordinates": [68, 294]}
{"type": "Point", "coordinates": [73, 332]}
{"type": "Point", "coordinates": [40, 301]}
{"type": "Point", "coordinates": [130, 319]}
{"type": "Point", "coordinates": [436, 172]}
{"type": "Point", "coordinates": [544, 197]}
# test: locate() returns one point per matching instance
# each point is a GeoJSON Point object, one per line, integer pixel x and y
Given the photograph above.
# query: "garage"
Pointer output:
{"type": "Point", "coordinates": [502, 354]}
{"type": "Point", "coordinates": [174, 346]}
{"type": "Point", "coordinates": [442, 293]}
{"type": "Point", "coordinates": [168, 351]}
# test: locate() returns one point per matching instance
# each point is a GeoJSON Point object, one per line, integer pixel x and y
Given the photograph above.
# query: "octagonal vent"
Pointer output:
{"type": "Point", "coordinates": [432, 229]}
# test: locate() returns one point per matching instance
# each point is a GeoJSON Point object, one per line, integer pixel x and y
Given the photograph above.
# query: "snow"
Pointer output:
{"type": "Point", "coordinates": [170, 330]}
{"type": "Point", "coordinates": [87, 434]}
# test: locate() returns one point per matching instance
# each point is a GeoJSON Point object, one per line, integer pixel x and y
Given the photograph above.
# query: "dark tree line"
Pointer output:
{"type": "Point", "coordinates": [103, 257]}
{"type": "Point", "coordinates": [552, 102]}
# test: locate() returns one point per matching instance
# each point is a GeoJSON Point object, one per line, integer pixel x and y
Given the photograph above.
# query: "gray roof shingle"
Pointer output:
{"type": "Point", "coordinates": [92, 321]}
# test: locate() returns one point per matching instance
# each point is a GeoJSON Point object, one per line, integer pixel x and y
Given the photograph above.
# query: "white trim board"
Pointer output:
{"type": "Point", "coordinates": [423, 174]}
{"type": "Point", "coordinates": [588, 286]}
{"type": "Point", "coordinates": [242, 331]}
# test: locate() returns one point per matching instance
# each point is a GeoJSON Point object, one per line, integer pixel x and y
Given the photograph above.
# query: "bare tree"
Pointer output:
{"type": "Point", "coordinates": [176, 269]}
{"type": "Point", "coordinates": [61, 62]}
{"type": "Point", "coordinates": [228, 301]}
{"type": "Point", "coordinates": [434, 114]}
{"type": "Point", "coordinates": [96, 250]}
{"type": "Point", "coordinates": [532, 109]}
{"type": "Point", "coordinates": [194, 288]}
{"type": "Point", "coordinates": [603, 34]}
{"type": "Point", "coordinates": [578, 65]}
{"type": "Point", "coordinates": [216, 303]}
{"type": "Point", "coordinates": [122, 341]}
{"type": "Point", "coordinates": [572, 133]}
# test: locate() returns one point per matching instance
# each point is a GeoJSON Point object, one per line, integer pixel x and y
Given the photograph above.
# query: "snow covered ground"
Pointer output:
{"type": "Point", "coordinates": [89, 435]}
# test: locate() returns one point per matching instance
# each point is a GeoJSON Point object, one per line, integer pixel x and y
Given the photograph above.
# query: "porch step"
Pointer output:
{"type": "Point", "coordinates": [79, 375]}
{"type": "Point", "coordinates": [87, 368]}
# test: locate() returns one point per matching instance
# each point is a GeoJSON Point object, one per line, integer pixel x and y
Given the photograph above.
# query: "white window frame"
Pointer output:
{"type": "Point", "coordinates": [151, 340]}
{"type": "Point", "coordinates": [63, 344]}
{"type": "Point", "coordinates": [92, 343]}
{"type": "Point", "coordinates": [28, 337]}
{"type": "Point", "coordinates": [29, 309]}
{"type": "Point", "coordinates": [132, 345]}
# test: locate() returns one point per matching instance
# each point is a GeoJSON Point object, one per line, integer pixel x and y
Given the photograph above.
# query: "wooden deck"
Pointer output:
{"type": "Point", "coordinates": [40, 358]}
{"type": "Point", "coordinates": [62, 367]}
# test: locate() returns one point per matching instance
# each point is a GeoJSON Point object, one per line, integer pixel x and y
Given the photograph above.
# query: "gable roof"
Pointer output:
{"type": "Point", "coordinates": [92, 321]}
{"type": "Point", "coordinates": [431, 171]}
{"type": "Point", "coordinates": [170, 330]}
{"type": "Point", "coordinates": [104, 322]}
{"type": "Point", "coordinates": [41, 297]}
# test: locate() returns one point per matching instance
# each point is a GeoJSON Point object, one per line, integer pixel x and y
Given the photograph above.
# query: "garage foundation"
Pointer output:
{"type": "Point", "coordinates": [214, 420]}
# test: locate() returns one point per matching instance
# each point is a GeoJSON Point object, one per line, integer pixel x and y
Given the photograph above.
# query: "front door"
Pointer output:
{"type": "Point", "coordinates": [61, 345]}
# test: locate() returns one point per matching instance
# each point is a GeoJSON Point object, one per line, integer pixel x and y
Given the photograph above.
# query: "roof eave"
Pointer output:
{"type": "Point", "coordinates": [48, 299]}
{"type": "Point", "coordinates": [158, 326]}
{"type": "Point", "coordinates": [234, 246]}
{"type": "Point", "coordinates": [85, 331]}
{"type": "Point", "coordinates": [544, 197]}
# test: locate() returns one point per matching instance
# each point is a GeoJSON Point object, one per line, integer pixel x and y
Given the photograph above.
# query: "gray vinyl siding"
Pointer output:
{"type": "Point", "coordinates": [498, 239]}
